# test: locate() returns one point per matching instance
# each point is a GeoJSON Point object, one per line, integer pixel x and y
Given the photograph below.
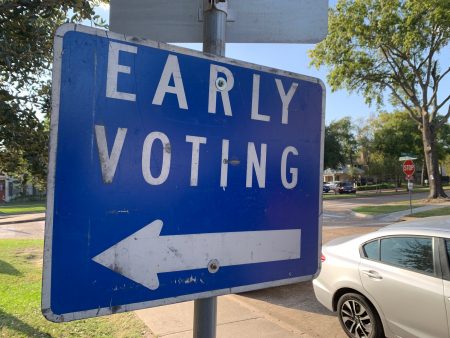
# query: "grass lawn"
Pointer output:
{"type": "Point", "coordinates": [383, 209]}
{"type": "Point", "coordinates": [434, 212]}
{"type": "Point", "coordinates": [373, 193]}
{"type": "Point", "coordinates": [332, 195]}
{"type": "Point", "coordinates": [20, 300]}
{"type": "Point", "coordinates": [22, 207]}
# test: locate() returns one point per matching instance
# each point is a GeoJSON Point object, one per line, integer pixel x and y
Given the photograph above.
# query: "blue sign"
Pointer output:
{"type": "Point", "coordinates": [175, 176]}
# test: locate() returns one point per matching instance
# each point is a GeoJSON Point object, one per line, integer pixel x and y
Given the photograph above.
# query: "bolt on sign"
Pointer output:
{"type": "Point", "coordinates": [175, 176]}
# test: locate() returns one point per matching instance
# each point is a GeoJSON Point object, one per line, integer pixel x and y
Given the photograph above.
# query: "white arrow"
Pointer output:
{"type": "Point", "coordinates": [144, 254]}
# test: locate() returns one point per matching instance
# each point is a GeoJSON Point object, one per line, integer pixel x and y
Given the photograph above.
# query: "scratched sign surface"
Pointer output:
{"type": "Point", "coordinates": [175, 176]}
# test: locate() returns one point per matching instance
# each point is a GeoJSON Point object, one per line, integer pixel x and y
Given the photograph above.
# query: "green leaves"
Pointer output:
{"type": "Point", "coordinates": [378, 47]}
{"type": "Point", "coordinates": [340, 143]}
{"type": "Point", "coordinates": [395, 133]}
{"type": "Point", "coordinates": [27, 28]}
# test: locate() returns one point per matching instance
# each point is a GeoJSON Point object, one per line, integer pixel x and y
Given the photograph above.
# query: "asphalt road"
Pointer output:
{"type": "Point", "coordinates": [337, 212]}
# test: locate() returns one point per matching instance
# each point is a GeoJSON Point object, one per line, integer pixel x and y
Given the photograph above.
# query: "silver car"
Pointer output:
{"type": "Point", "coordinates": [394, 282]}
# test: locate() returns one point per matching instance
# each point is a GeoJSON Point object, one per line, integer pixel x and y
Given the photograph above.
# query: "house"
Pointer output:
{"type": "Point", "coordinates": [6, 188]}
{"type": "Point", "coordinates": [342, 174]}
{"type": "Point", "coordinates": [10, 188]}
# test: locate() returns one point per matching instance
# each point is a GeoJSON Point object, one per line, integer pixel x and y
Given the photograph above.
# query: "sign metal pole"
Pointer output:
{"type": "Point", "coordinates": [410, 199]}
{"type": "Point", "coordinates": [408, 169]}
{"type": "Point", "coordinates": [205, 317]}
{"type": "Point", "coordinates": [214, 25]}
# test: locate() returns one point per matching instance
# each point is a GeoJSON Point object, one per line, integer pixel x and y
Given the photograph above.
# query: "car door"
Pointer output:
{"type": "Point", "coordinates": [445, 259]}
{"type": "Point", "coordinates": [401, 274]}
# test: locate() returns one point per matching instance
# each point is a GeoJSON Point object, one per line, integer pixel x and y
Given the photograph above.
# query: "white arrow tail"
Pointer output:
{"type": "Point", "coordinates": [144, 254]}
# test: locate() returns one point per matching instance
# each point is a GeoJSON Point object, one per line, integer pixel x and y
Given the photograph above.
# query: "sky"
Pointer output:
{"type": "Point", "coordinates": [294, 58]}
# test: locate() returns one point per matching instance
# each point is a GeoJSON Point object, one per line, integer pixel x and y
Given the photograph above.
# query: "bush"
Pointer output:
{"type": "Point", "coordinates": [376, 187]}
{"type": "Point", "coordinates": [30, 198]}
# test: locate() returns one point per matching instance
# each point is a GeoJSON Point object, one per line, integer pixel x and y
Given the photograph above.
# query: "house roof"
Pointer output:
{"type": "Point", "coordinates": [346, 171]}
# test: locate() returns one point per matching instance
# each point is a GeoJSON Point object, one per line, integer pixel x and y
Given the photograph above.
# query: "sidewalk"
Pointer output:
{"type": "Point", "coordinates": [24, 226]}
{"type": "Point", "coordinates": [22, 218]}
{"type": "Point", "coordinates": [235, 318]}
{"type": "Point", "coordinates": [398, 215]}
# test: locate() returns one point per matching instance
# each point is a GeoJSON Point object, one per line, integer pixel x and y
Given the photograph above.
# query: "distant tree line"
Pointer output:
{"type": "Point", "coordinates": [375, 145]}
{"type": "Point", "coordinates": [392, 49]}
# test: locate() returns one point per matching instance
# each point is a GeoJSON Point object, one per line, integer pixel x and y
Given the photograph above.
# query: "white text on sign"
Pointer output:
{"type": "Point", "coordinates": [256, 153]}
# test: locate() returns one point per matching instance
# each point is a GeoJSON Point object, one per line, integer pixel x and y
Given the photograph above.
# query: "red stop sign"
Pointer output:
{"type": "Point", "coordinates": [409, 168]}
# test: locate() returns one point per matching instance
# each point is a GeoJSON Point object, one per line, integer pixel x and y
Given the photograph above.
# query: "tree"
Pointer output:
{"type": "Point", "coordinates": [333, 153]}
{"type": "Point", "coordinates": [376, 47]}
{"type": "Point", "coordinates": [27, 28]}
{"type": "Point", "coordinates": [345, 146]}
{"type": "Point", "coordinates": [364, 138]}
{"type": "Point", "coordinates": [393, 134]}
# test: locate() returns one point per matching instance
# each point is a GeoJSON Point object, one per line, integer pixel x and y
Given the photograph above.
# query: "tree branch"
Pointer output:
{"type": "Point", "coordinates": [403, 82]}
{"type": "Point", "coordinates": [444, 119]}
{"type": "Point", "coordinates": [407, 107]}
{"type": "Point", "coordinates": [433, 48]}
{"type": "Point", "coordinates": [429, 60]}
{"type": "Point", "coordinates": [415, 69]}
{"type": "Point", "coordinates": [444, 74]}
{"type": "Point", "coordinates": [436, 80]}
{"type": "Point", "coordinates": [443, 103]}
{"type": "Point", "coordinates": [433, 99]}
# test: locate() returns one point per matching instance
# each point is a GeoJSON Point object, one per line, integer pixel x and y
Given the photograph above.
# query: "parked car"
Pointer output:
{"type": "Point", "coordinates": [333, 184]}
{"type": "Point", "coordinates": [325, 187]}
{"type": "Point", "coordinates": [394, 282]}
{"type": "Point", "coordinates": [345, 188]}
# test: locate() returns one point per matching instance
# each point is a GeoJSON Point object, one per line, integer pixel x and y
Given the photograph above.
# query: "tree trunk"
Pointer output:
{"type": "Point", "coordinates": [431, 160]}
{"type": "Point", "coordinates": [422, 174]}
{"type": "Point", "coordinates": [24, 183]}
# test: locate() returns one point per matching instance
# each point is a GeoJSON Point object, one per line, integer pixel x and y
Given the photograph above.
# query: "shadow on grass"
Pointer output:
{"type": "Point", "coordinates": [8, 269]}
{"type": "Point", "coordinates": [14, 323]}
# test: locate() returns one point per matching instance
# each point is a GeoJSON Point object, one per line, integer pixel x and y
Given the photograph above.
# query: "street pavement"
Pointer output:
{"type": "Point", "coordinates": [25, 226]}
{"type": "Point", "coordinates": [285, 311]}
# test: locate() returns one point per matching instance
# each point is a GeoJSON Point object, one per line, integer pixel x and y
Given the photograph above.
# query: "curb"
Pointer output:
{"type": "Point", "coordinates": [408, 218]}
{"type": "Point", "coordinates": [361, 215]}
{"type": "Point", "coordinates": [6, 222]}
{"type": "Point", "coordinates": [7, 215]}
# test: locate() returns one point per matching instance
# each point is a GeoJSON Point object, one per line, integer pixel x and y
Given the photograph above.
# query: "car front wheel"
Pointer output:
{"type": "Point", "coordinates": [358, 318]}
